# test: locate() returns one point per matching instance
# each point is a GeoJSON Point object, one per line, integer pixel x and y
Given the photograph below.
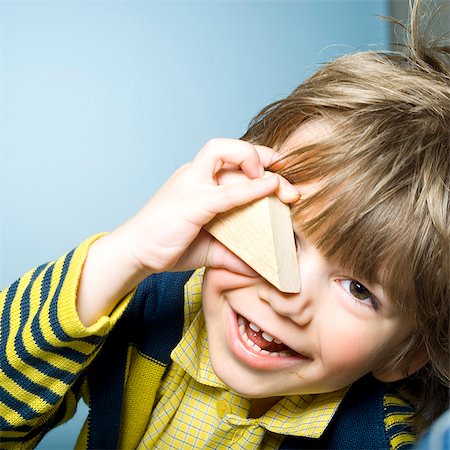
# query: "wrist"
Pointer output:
{"type": "Point", "coordinates": [110, 272]}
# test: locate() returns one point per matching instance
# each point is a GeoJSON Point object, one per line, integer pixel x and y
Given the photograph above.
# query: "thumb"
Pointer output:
{"type": "Point", "coordinates": [219, 257]}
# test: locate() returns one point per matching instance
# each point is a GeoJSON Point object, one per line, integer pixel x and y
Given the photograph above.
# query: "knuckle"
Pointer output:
{"type": "Point", "coordinates": [213, 143]}
{"type": "Point", "coordinates": [212, 148]}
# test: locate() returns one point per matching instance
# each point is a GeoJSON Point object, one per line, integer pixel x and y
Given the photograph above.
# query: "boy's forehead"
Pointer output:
{"type": "Point", "coordinates": [306, 134]}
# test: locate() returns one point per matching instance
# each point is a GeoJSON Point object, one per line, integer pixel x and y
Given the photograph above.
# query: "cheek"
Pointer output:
{"type": "Point", "coordinates": [349, 353]}
{"type": "Point", "coordinates": [353, 346]}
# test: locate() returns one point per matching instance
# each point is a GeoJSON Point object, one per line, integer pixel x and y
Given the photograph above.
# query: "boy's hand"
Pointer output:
{"type": "Point", "coordinates": [166, 234]}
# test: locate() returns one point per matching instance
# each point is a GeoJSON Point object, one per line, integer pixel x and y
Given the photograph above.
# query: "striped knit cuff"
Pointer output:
{"type": "Point", "coordinates": [70, 267]}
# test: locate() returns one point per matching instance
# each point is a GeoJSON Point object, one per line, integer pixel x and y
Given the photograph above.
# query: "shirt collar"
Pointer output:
{"type": "Point", "coordinates": [192, 352]}
{"type": "Point", "coordinates": [297, 415]}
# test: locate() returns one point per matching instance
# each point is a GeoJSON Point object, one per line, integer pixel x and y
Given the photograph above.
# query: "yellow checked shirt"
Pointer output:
{"type": "Point", "coordinates": [194, 409]}
{"type": "Point", "coordinates": [49, 362]}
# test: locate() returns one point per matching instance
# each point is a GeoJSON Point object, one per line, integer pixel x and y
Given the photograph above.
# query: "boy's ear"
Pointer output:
{"type": "Point", "coordinates": [390, 374]}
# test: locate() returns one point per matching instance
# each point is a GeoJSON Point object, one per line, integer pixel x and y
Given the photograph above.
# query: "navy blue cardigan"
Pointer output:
{"type": "Point", "coordinates": [153, 323]}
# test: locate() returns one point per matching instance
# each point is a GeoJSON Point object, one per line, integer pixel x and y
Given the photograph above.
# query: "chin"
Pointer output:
{"type": "Point", "coordinates": [243, 384]}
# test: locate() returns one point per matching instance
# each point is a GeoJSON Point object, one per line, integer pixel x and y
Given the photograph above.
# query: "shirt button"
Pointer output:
{"type": "Point", "coordinates": [223, 408]}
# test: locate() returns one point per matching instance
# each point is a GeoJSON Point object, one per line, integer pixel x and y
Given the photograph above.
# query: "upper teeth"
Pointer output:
{"type": "Point", "coordinates": [265, 335]}
{"type": "Point", "coordinates": [252, 345]}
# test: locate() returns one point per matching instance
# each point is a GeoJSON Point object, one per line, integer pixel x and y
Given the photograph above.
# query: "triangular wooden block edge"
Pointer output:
{"type": "Point", "coordinates": [261, 234]}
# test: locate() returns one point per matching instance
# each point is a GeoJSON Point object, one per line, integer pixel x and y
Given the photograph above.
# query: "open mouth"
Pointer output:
{"type": "Point", "coordinates": [262, 342]}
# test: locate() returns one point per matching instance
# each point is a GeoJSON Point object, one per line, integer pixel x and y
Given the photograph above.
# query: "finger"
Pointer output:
{"type": "Point", "coordinates": [196, 254]}
{"type": "Point", "coordinates": [218, 153]}
{"type": "Point", "coordinates": [236, 194]}
{"type": "Point", "coordinates": [286, 192]}
{"type": "Point", "coordinates": [220, 257]}
{"type": "Point", "coordinates": [266, 155]}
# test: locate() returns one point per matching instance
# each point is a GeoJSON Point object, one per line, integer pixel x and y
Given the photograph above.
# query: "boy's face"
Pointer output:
{"type": "Point", "coordinates": [336, 329]}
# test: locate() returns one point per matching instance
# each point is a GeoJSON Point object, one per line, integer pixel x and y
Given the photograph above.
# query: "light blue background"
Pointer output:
{"type": "Point", "coordinates": [100, 101]}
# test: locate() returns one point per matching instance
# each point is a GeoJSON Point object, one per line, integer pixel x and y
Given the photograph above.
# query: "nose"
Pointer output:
{"type": "Point", "coordinates": [300, 307]}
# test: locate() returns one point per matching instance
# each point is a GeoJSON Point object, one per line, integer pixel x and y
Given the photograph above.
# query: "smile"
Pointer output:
{"type": "Point", "coordinates": [256, 348]}
{"type": "Point", "coordinates": [261, 341]}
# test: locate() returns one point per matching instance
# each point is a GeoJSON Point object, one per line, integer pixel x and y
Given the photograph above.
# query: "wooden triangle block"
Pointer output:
{"type": "Point", "coordinates": [261, 234]}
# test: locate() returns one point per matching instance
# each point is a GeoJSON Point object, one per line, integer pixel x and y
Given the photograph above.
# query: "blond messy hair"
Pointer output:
{"type": "Point", "coordinates": [388, 158]}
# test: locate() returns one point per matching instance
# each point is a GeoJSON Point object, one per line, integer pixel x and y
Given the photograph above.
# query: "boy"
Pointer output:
{"type": "Point", "coordinates": [219, 358]}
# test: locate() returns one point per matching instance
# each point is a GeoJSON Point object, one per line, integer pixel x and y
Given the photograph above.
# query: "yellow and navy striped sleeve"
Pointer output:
{"type": "Point", "coordinates": [44, 349]}
{"type": "Point", "coordinates": [398, 422]}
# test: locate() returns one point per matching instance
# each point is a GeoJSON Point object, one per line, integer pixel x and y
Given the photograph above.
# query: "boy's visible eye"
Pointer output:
{"type": "Point", "coordinates": [359, 292]}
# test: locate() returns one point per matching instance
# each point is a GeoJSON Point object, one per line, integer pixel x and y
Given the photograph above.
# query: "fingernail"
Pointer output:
{"type": "Point", "coordinates": [271, 178]}
{"type": "Point", "coordinates": [293, 191]}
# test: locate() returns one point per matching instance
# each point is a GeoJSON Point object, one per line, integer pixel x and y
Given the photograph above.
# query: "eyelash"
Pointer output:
{"type": "Point", "coordinates": [373, 302]}
{"type": "Point", "coordinates": [370, 301]}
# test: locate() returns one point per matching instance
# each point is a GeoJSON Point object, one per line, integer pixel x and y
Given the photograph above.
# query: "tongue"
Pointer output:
{"type": "Point", "coordinates": [256, 338]}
